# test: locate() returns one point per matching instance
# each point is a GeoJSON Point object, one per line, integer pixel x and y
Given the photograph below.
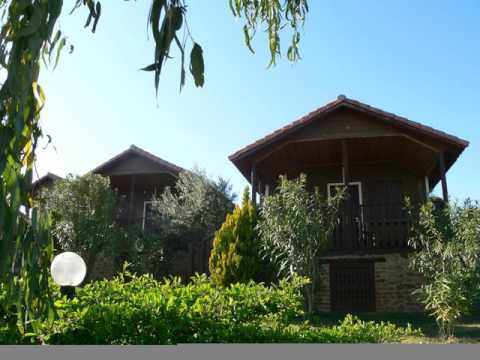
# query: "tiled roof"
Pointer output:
{"type": "Point", "coordinates": [343, 101]}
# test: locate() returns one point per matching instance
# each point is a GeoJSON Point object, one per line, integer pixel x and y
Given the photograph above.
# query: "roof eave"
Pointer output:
{"type": "Point", "coordinates": [352, 104]}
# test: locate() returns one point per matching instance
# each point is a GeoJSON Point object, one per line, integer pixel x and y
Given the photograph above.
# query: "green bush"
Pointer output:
{"type": "Point", "coordinates": [447, 239]}
{"type": "Point", "coordinates": [140, 310]}
{"type": "Point", "coordinates": [235, 255]}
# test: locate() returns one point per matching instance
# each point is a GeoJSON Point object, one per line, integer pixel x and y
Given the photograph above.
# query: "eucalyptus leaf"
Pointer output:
{"type": "Point", "coordinates": [197, 66]}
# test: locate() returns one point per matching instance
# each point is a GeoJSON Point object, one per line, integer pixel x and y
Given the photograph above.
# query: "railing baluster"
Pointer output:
{"type": "Point", "coordinates": [371, 226]}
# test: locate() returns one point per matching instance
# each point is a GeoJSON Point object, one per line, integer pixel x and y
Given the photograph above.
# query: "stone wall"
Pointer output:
{"type": "Point", "coordinates": [394, 283]}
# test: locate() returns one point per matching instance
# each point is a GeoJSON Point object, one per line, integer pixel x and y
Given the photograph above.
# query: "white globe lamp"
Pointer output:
{"type": "Point", "coordinates": [68, 270]}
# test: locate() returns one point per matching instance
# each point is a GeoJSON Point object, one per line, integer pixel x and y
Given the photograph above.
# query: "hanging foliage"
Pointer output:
{"type": "Point", "coordinates": [274, 16]}
{"type": "Point", "coordinates": [27, 35]}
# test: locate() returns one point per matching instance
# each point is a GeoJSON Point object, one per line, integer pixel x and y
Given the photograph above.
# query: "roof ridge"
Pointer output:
{"type": "Point", "coordinates": [155, 157]}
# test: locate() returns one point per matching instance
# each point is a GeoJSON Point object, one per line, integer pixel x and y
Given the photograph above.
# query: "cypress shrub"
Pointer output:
{"type": "Point", "coordinates": [235, 255]}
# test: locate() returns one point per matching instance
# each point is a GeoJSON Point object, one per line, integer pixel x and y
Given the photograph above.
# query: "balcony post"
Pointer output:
{"type": "Point", "coordinates": [345, 163]}
{"type": "Point", "coordinates": [347, 214]}
{"type": "Point", "coordinates": [441, 164]}
{"type": "Point", "coordinates": [253, 182]}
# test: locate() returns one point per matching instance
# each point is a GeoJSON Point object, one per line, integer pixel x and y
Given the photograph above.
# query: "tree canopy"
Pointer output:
{"type": "Point", "coordinates": [195, 208]}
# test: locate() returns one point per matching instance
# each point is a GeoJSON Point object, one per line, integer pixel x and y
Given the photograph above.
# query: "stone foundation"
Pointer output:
{"type": "Point", "coordinates": [394, 283]}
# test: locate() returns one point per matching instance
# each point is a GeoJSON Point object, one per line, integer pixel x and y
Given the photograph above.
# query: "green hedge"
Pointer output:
{"type": "Point", "coordinates": [141, 310]}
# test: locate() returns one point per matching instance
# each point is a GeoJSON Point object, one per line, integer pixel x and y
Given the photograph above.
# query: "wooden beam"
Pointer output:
{"type": "Point", "coordinates": [443, 177]}
{"type": "Point", "coordinates": [253, 182]}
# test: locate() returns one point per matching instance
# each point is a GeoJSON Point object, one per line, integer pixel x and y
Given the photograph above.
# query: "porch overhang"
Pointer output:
{"type": "Point", "coordinates": [390, 138]}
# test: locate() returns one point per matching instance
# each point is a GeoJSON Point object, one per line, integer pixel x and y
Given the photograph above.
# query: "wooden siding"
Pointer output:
{"type": "Point", "coordinates": [373, 177]}
{"type": "Point", "coordinates": [134, 164]}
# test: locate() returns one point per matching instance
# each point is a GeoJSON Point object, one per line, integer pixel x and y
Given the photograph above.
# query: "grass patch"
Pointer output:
{"type": "Point", "coordinates": [466, 331]}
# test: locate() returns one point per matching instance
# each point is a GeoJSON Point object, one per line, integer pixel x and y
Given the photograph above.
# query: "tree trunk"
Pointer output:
{"type": "Point", "coordinates": [310, 288]}
{"type": "Point", "coordinates": [90, 262]}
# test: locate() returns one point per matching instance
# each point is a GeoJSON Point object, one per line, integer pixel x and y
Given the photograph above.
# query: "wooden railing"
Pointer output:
{"type": "Point", "coordinates": [366, 227]}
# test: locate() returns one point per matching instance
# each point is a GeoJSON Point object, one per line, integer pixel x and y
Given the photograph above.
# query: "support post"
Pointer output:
{"type": "Point", "coordinates": [427, 187]}
{"type": "Point", "coordinates": [132, 196]}
{"type": "Point", "coordinates": [345, 163]}
{"type": "Point", "coordinates": [253, 182]}
{"type": "Point", "coordinates": [443, 177]}
{"type": "Point", "coordinates": [347, 221]}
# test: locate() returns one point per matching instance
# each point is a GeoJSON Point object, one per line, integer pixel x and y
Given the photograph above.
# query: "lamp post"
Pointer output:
{"type": "Point", "coordinates": [68, 270]}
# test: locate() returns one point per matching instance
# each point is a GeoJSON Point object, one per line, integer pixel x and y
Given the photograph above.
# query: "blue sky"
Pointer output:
{"type": "Point", "coordinates": [416, 59]}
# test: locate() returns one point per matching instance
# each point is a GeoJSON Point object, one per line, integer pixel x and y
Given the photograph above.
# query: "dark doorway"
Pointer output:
{"type": "Point", "coordinates": [347, 235]}
{"type": "Point", "coordinates": [352, 286]}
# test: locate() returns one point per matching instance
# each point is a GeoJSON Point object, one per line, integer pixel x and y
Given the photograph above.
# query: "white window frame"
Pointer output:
{"type": "Point", "coordinates": [360, 194]}
{"type": "Point", "coordinates": [358, 183]}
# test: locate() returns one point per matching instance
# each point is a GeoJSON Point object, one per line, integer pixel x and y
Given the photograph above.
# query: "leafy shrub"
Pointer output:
{"type": "Point", "coordinates": [235, 256]}
{"type": "Point", "coordinates": [295, 228]}
{"type": "Point", "coordinates": [447, 240]}
{"type": "Point", "coordinates": [353, 330]}
{"type": "Point", "coordinates": [141, 310]}
{"type": "Point", "coordinates": [133, 309]}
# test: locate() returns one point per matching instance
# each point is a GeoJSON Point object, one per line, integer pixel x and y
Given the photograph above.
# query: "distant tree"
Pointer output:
{"type": "Point", "coordinates": [235, 255]}
{"type": "Point", "coordinates": [446, 238]}
{"type": "Point", "coordinates": [83, 214]}
{"type": "Point", "coordinates": [295, 228]}
{"type": "Point", "coordinates": [195, 208]}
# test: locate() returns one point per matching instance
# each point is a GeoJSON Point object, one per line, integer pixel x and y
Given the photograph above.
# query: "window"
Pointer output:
{"type": "Point", "coordinates": [355, 188]}
{"type": "Point", "coordinates": [147, 222]}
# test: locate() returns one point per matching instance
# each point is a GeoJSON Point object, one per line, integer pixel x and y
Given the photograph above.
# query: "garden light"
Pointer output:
{"type": "Point", "coordinates": [68, 270]}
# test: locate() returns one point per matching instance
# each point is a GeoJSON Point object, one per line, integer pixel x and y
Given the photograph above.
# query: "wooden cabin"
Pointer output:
{"type": "Point", "coordinates": [383, 158]}
{"type": "Point", "coordinates": [137, 176]}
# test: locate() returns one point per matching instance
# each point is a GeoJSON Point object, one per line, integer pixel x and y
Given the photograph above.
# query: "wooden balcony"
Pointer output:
{"type": "Point", "coordinates": [380, 227]}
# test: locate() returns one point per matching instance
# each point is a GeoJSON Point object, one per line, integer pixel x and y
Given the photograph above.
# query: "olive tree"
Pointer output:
{"type": "Point", "coordinates": [295, 228]}
{"type": "Point", "coordinates": [446, 238]}
{"type": "Point", "coordinates": [194, 209]}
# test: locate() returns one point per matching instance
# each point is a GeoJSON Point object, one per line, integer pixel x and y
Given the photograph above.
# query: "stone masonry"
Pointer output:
{"type": "Point", "coordinates": [394, 283]}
